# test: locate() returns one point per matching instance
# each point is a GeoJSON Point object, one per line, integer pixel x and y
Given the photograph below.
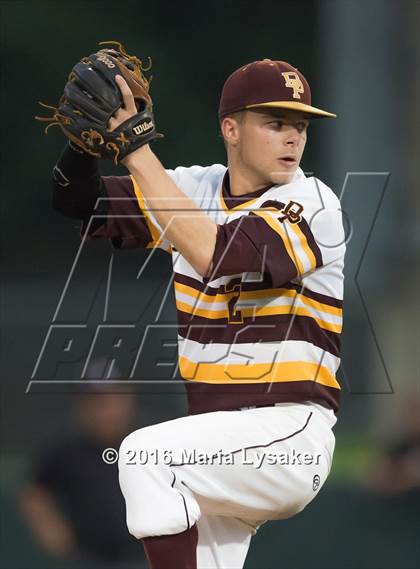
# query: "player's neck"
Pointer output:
{"type": "Point", "coordinates": [243, 182]}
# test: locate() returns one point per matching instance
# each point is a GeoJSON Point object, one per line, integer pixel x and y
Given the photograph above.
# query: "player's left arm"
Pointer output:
{"type": "Point", "coordinates": [186, 226]}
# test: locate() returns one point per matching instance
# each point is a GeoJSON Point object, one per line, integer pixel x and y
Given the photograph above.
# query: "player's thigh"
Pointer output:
{"type": "Point", "coordinates": [259, 484]}
{"type": "Point", "coordinates": [249, 486]}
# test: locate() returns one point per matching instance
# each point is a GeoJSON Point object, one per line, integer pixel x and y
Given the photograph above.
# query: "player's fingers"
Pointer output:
{"type": "Point", "coordinates": [119, 117]}
{"type": "Point", "coordinates": [112, 124]}
{"type": "Point", "coordinates": [127, 94]}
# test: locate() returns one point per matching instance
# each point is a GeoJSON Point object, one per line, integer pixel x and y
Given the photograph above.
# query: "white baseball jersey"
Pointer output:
{"type": "Point", "coordinates": [259, 345]}
{"type": "Point", "coordinates": [265, 327]}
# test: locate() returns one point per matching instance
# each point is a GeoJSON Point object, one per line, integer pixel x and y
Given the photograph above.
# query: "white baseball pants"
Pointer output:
{"type": "Point", "coordinates": [227, 472]}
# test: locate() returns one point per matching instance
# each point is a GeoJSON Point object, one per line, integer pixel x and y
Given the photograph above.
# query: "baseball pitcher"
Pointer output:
{"type": "Point", "coordinates": [257, 249]}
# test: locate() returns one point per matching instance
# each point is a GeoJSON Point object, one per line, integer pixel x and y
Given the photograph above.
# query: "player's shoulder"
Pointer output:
{"type": "Point", "coordinates": [198, 174]}
{"type": "Point", "coordinates": [329, 199]}
{"type": "Point", "coordinates": [311, 192]}
{"type": "Point", "coordinates": [200, 183]}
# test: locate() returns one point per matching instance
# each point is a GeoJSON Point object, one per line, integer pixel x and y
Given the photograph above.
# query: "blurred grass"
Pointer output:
{"type": "Point", "coordinates": [354, 457]}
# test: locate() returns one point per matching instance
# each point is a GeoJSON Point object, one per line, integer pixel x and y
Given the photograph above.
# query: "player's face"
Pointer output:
{"type": "Point", "coordinates": [271, 143]}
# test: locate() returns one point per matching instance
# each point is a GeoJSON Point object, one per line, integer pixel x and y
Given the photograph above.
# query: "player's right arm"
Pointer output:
{"type": "Point", "coordinates": [267, 240]}
{"type": "Point", "coordinates": [109, 206]}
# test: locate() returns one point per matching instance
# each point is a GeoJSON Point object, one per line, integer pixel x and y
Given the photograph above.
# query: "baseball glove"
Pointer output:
{"type": "Point", "coordinates": [91, 97]}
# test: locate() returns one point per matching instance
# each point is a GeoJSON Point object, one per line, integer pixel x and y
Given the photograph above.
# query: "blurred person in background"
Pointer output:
{"type": "Point", "coordinates": [72, 502]}
{"type": "Point", "coordinates": [398, 468]}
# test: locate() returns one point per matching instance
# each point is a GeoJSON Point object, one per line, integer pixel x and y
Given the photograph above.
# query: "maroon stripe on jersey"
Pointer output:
{"type": "Point", "coordinates": [325, 299]}
{"type": "Point", "coordinates": [264, 284]}
{"type": "Point", "coordinates": [125, 232]}
{"type": "Point", "coordinates": [264, 328]}
{"type": "Point", "coordinates": [209, 397]}
{"type": "Point", "coordinates": [271, 203]}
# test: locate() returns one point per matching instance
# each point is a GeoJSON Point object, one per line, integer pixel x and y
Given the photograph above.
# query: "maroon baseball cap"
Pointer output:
{"type": "Point", "coordinates": [267, 83]}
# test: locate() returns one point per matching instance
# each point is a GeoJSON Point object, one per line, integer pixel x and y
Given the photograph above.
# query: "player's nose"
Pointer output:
{"type": "Point", "coordinates": [292, 135]}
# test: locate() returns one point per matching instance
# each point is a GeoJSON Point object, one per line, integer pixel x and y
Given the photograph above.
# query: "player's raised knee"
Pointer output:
{"type": "Point", "coordinates": [135, 445]}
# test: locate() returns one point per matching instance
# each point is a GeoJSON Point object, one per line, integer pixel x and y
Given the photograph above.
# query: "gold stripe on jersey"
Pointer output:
{"type": "Point", "coordinates": [303, 243]}
{"type": "Point", "coordinates": [263, 293]}
{"type": "Point", "coordinates": [285, 292]}
{"type": "Point", "coordinates": [154, 231]}
{"type": "Point", "coordinates": [257, 373]}
{"type": "Point", "coordinates": [255, 312]}
{"type": "Point", "coordinates": [291, 251]}
{"type": "Point", "coordinates": [203, 312]}
{"type": "Point", "coordinates": [284, 233]}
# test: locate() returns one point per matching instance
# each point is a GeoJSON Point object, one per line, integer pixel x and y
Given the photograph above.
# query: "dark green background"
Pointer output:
{"type": "Point", "coordinates": [361, 59]}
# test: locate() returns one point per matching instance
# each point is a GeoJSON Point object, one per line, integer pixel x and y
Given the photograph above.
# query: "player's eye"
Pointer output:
{"type": "Point", "coordinates": [301, 126]}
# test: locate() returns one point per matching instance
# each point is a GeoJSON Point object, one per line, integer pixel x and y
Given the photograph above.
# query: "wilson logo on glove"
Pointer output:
{"type": "Point", "coordinates": [92, 97]}
{"type": "Point", "coordinates": [143, 127]}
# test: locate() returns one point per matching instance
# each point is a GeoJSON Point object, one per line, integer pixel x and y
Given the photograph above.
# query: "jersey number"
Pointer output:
{"type": "Point", "coordinates": [235, 316]}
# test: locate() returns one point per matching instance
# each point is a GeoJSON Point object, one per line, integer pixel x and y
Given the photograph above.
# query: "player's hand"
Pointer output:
{"type": "Point", "coordinates": [128, 108]}
{"type": "Point", "coordinates": [106, 109]}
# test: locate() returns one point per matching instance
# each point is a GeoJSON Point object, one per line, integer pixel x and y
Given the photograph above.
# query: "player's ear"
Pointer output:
{"type": "Point", "coordinates": [230, 128]}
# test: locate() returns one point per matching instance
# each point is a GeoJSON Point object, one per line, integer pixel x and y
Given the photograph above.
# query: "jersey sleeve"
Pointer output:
{"type": "Point", "coordinates": [122, 217]}
{"type": "Point", "coordinates": [122, 214]}
{"type": "Point", "coordinates": [271, 239]}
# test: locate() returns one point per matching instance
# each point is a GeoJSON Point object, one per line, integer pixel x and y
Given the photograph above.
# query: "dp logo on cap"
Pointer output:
{"type": "Point", "coordinates": [293, 81]}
